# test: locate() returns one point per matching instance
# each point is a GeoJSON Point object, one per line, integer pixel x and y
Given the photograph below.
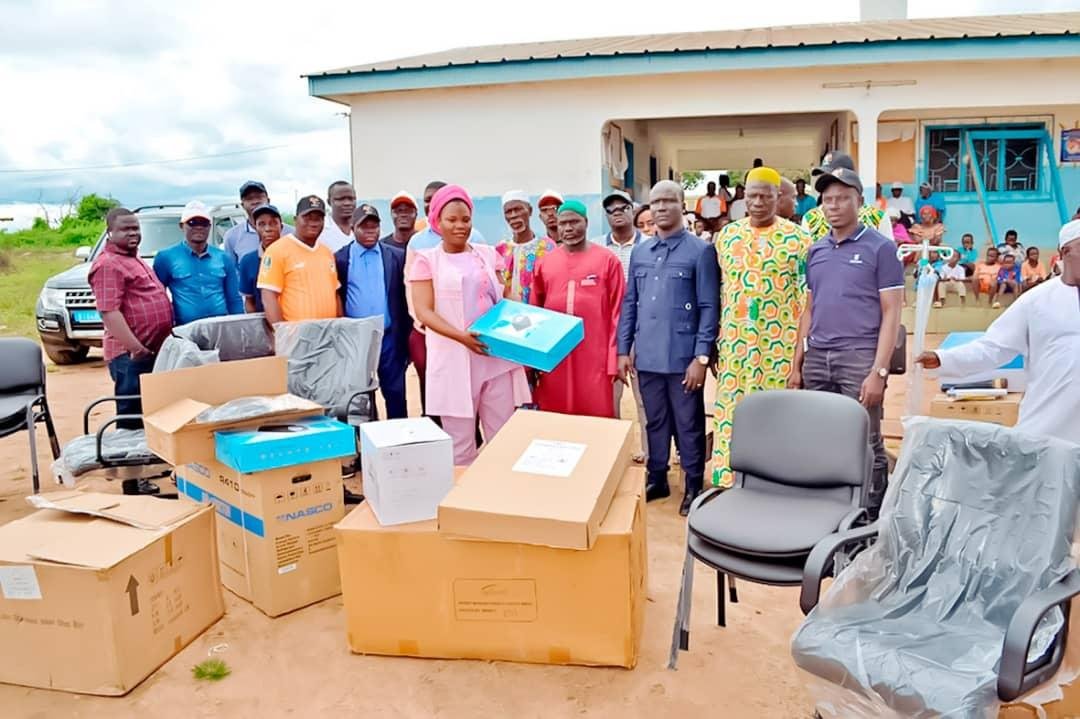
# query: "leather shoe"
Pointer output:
{"type": "Point", "coordinates": [687, 500]}
{"type": "Point", "coordinates": [353, 497]}
{"type": "Point", "coordinates": [656, 490]}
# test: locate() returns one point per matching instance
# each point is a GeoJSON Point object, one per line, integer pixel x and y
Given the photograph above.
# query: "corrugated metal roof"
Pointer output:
{"type": "Point", "coordinates": [792, 36]}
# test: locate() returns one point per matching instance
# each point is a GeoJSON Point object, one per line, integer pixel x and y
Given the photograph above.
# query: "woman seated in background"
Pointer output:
{"type": "Point", "coordinates": [929, 228]}
{"type": "Point", "coordinates": [1032, 271]}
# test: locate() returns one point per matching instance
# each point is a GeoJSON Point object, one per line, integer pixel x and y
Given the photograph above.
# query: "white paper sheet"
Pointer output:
{"type": "Point", "coordinates": [550, 458]}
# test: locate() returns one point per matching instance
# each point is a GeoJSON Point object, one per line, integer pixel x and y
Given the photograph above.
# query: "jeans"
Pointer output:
{"type": "Point", "coordinates": [843, 372]}
{"type": "Point", "coordinates": [125, 373]}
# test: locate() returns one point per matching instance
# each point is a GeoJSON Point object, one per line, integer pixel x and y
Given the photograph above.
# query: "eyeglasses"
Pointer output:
{"type": "Point", "coordinates": [198, 222]}
{"type": "Point", "coordinates": [617, 209]}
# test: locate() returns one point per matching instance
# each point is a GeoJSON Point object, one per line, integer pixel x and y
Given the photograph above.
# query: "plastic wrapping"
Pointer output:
{"type": "Point", "coordinates": [330, 361]}
{"type": "Point", "coordinates": [117, 445]}
{"type": "Point", "coordinates": [250, 408]}
{"type": "Point", "coordinates": [976, 519]}
{"type": "Point", "coordinates": [216, 339]}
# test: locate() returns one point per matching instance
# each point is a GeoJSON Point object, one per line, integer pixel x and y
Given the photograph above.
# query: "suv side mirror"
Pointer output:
{"type": "Point", "coordinates": [83, 253]}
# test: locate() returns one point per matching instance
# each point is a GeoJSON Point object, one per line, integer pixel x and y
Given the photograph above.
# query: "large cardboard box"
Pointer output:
{"type": "Point", "coordinates": [529, 335]}
{"type": "Point", "coordinates": [275, 530]}
{"type": "Point", "coordinates": [172, 402]}
{"type": "Point", "coordinates": [408, 467]}
{"type": "Point", "coordinates": [99, 590]}
{"type": "Point", "coordinates": [409, 590]}
{"type": "Point", "coordinates": [1004, 411]}
{"type": "Point", "coordinates": [544, 479]}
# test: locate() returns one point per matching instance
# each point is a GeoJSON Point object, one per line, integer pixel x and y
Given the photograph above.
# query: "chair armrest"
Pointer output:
{"type": "Point", "coordinates": [96, 402]}
{"type": "Point", "coordinates": [821, 558]}
{"type": "Point", "coordinates": [101, 431]}
{"type": "Point", "coordinates": [1015, 676]}
{"type": "Point", "coordinates": [849, 520]}
{"type": "Point", "coordinates": [706, 496]}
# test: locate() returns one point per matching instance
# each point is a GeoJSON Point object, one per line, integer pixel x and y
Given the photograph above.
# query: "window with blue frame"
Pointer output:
{"type": "Point", "coordinates": [1007, 158]}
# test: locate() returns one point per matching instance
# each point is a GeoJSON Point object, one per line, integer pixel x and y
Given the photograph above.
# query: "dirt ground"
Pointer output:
{"type": "Point", "coordinates": [299, 665]}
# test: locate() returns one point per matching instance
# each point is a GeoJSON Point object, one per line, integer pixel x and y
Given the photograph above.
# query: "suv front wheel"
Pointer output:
{"type": "Point", "coordinates": [66, 355]}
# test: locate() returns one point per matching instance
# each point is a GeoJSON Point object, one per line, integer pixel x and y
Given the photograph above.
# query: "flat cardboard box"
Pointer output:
{"type": "Point", "coordinates": [409, 590]}
{"type": "Point", "coordinates": [275, 530]}
{"type": "Point", "coordinates": [1004, 411]}
{"type": "Point", "coordinates": [275, 444]}
{"type": "Point", "coordinates": [529, 335]}
{"type": "Point", "coordinates": [408, 468]}
{"type": "Point", "coordinates": [172, 402]}
{"type": "Point", "coordinates": [545, 479]}
{"type": "Point", "coordinates": [99, 590]}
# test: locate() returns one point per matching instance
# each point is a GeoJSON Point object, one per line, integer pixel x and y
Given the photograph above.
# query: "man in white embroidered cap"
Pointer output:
{"type": "Point", "coordinates": [1043, 325]}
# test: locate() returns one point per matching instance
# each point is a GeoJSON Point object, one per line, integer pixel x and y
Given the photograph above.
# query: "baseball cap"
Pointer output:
{"type": "Point", "coordinates": [833, 160]}
{"type": "Point", "coordinates": [251, 185]}
{"type": "Point", "coordinates": [363, 212]}
{"type": "Point", "coordinates": [265, 210]}
{"type": "Point", "coordinates": [926, 186]}
{"type": "Point", "coordinates": [617, 195]}
{"type": "Point", "coordinates": [842, 175]}
{"type": "Point", "coordinates": [1070, 232]}
{"type": "Point", "coordinates": [898, 185]}
{"type": "Point", "coordinates": [548, 197]}
{"type": "Point", "coordinates": [403, 197]}
{"type": "Point", "coordinates": [311, 203]}
{"type": "Point", "coordinates": [194, 209]}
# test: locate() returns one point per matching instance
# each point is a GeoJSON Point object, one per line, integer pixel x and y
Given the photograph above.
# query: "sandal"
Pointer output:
{"type": "Point", "coordinates": [638, 459]}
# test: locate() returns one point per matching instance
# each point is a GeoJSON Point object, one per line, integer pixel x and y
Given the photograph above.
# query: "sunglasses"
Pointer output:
{"type": "Point", "coordinates": [616, 210]}
{"type": "Point", "coordinates": [198, 222]}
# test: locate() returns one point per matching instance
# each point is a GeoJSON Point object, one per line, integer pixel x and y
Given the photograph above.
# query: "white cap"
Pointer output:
{"type": "Point", "coordinates": [549, 194]}
{"type": "Point", "coordinates": [898, 185]}
{"type": "Point", "coordinates": [1070, 231]}
{"type": "Point", "coordinates": [515, 196]}
{"type": "Point", "coordinates": [194, 209]}
{"type": "Point", "coordinates": [403, 197]}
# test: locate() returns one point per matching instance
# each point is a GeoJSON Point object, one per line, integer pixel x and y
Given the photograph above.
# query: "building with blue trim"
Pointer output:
{"type": "Point", "coordinates": [979, 107]}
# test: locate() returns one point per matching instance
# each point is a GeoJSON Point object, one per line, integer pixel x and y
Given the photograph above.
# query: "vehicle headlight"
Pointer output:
{"type": "Point", "coordinates": [52, 298]}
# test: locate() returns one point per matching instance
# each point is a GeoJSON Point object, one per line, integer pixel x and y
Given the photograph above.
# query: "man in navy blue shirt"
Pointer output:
{"type": "Point", "coordinates": [848, 331]}
{"type": "Point", "coordinates": [201, 279]}
{"type": "Point", "coordinates": [372, 285]}
{"type": "Point", "coordinates": [268, 224]}
{"type": "Point", "coordinates": [669, 316]}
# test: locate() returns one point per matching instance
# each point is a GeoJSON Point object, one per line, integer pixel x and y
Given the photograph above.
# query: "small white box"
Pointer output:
{"type": "Point", "coordinates": [408, 467]}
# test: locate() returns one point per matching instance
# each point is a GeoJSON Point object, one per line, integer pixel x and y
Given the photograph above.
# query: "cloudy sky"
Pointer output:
{"type": "Point", "coordinates": [191, 99]}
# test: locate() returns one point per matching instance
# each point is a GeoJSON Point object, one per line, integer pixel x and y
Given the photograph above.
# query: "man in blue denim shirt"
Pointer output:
{"type": "Point", "coordinates": [202, 280]}
{"type": "Point", "coordinates": [669, 315]}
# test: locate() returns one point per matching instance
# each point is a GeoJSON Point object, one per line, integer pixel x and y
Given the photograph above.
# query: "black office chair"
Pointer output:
{"type": "Point", "coordinates": [22, 397]}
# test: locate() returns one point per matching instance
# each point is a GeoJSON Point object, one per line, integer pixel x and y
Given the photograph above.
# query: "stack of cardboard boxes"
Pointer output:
{"type": "Point", "coordinates": [537, 554]}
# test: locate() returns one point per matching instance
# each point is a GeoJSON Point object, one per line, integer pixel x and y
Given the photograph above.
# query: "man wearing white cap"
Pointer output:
{"type": "Point", "coordinates": [548, 204]}
{"type": "Point", "coordinates": [898, 202]}
{"type": "Point", "coordinates": [403, 209]}
{"type": "Point", "coordinates": [1043, 325]}
{"type": "Point", "coordinates": [202, 279]}
{"type": "Point", "coordinates": [524, 249]}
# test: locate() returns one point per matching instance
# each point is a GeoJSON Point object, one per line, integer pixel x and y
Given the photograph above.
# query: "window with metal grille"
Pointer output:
{"type": "Point", "coordinates": [1007, 158]}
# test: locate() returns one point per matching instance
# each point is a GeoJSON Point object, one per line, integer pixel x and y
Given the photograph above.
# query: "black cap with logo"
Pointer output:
{"type": "Point", "coordinates": [311, 203]}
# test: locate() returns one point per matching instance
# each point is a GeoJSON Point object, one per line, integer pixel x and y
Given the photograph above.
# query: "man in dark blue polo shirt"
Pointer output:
{"type": "Point", "coordinates": [268, 224]}
{"type": "Point", "coordinates": [201, 279]}
{"type": "Point", "coordinates": [848, 331]}
{"type": "Point", "coordinates": [669, 317]}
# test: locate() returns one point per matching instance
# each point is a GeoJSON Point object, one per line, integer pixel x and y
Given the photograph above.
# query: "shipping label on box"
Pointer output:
{"type": "Point", "coordinates": [529, 335]}
{"type": "Point", "coordinates": [408, 468]}
{"type": "Point", "coordinates": [99, 590]}
{"type": "Point", "coordinates": [275, 530]}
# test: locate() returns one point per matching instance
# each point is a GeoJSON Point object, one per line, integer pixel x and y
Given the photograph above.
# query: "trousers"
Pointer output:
{"type": "Point", "coordinates": [494, 403]}
{"type": "Point", "coordinates": [671, 411]}
{"type": "Point", "coordinates": [125, 373]}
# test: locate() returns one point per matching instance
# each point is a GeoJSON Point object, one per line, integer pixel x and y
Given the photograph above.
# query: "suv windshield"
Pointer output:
{"type": "Point", "coordinates": [159, 232]}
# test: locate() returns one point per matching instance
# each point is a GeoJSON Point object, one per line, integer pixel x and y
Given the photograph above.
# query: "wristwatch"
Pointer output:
{"type": "Point", "coordinates": [882, 372]}
{"type": "Point", "coordinates": [703, 360]}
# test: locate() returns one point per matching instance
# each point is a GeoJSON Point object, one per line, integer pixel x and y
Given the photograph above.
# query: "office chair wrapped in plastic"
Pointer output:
{"type": "Point", "coordinates": [216, 339]}
{"type": "Point", "coordinates": [964, 600]}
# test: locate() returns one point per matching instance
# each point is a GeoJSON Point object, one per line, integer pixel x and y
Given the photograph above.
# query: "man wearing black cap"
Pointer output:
{"type": "Point", "coordinates": [371, 275]}
{"type": "Point", "coordinates": [847, 332]}
{"type": "Point", "coordinates": [244, 238]}
{"type": "Point", "coordinates": [268, 225]}
{"type": "Point", "coordinates": [815, 222]}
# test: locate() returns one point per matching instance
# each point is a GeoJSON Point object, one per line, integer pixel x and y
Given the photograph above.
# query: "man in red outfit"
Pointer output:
{"type": "Point", "coordinates": [583, 279]}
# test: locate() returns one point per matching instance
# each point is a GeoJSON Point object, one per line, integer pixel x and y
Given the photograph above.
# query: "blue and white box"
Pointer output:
{"type": "Point", "coordinates": [1012, 371]}
{"type": "Point", "coordinates": [528, 335]}
{"type": "Point", "coordinates": [283, 444]}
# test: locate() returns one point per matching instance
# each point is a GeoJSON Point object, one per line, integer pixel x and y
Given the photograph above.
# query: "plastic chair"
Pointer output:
{"type": "Point", "coordinates": [801, 461]}
{"type": "Point", "coordinates": [22, 397]}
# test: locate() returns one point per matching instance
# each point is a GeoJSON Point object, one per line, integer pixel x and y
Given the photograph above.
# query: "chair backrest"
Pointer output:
{"type": "Point", "coordinates": [802, 438]}
{"type": "Point", "coordinates": [977, 517]}
{"type": "Point", "coordinates": [21, 365]}
{"type": "Point", "coordinates": [235, 337]}
{"type": "Point", "coordinates": [331, 360]}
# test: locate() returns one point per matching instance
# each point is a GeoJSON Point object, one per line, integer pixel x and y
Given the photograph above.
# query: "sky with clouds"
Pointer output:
{"type": "Point", "coordinates": [92, 83]}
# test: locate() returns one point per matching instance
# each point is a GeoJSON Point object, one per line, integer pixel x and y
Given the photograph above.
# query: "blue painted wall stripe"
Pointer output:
{"type": "Point", "coordinates": [231, 512]}
{"type": "Point", "coordinates": [751, 58]}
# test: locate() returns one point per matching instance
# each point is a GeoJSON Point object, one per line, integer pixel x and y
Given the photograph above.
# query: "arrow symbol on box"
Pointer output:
{"type": "Point", "coordinates": [133, 594]}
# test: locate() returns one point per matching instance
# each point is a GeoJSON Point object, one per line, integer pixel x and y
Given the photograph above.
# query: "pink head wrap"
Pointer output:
{"type": "Point", "coordinates": [444, 196]}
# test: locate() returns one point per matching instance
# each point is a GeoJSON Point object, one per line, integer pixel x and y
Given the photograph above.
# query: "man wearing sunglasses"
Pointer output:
{"type": "Point", "coordinates": [201, 279]}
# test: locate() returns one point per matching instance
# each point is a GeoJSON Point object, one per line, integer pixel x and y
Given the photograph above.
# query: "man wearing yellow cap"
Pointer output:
{"type": "Point", "coordinates": [763, 265]}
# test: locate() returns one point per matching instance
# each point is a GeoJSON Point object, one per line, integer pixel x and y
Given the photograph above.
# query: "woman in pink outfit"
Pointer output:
{"type": "Point", "coordinates": [452, 285]}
